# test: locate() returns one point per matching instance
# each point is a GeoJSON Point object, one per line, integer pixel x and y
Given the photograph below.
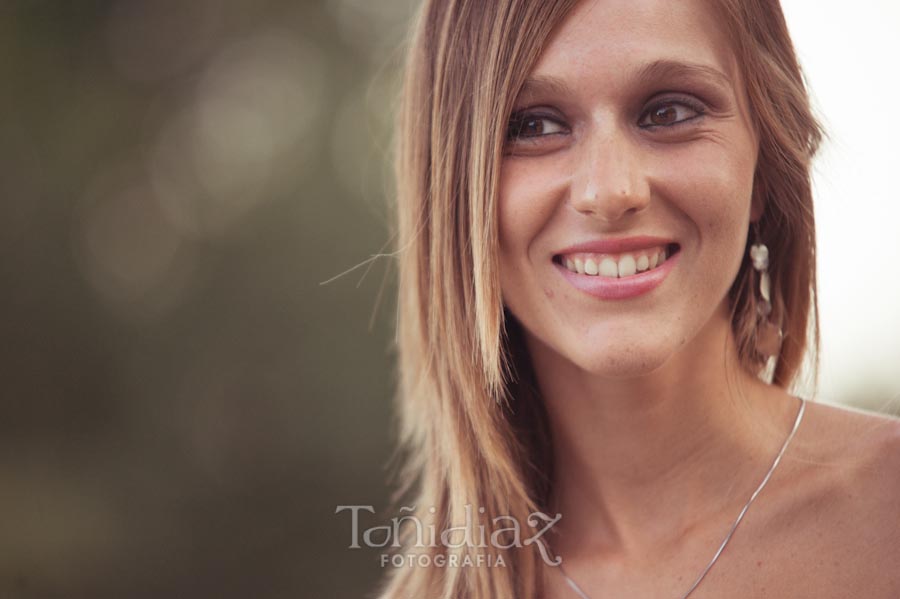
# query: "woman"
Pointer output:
{"type": "Point", "coordinates": [607, 284]}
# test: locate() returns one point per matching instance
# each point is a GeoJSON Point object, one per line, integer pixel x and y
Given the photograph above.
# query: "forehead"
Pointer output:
{"type": "Point", "coordinates": [602, 40]}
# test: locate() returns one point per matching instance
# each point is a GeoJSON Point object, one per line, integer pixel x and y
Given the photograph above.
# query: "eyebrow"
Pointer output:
{"type": "Point", "coordinates": [660, 69]}
{"type": "Point", "coordinates": [643, 75]}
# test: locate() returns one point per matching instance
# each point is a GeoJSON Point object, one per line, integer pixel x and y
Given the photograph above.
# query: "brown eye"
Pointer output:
{"type": "Point", "coordinates": [670, 114]}
{"type": "Point", "coordinates": [532, 127]}
{"type": "Point", "coordinates": [524, 127]}
{"type": "Point", "coordinates": [663, 115]}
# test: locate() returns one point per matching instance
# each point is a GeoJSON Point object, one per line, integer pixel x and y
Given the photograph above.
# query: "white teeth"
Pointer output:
{"type": "Point", "coordinates": [609, 268]}
{"type": "Point", "coordinates": [606, 266]}
{"type": "Point", "coordinates": [643, 263]}
{"type": "Point", "coordinates": [627, 267]}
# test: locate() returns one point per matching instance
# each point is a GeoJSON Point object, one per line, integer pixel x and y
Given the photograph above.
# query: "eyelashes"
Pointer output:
{"type": "Point", "coordinates": [662, 116]}
{"type": "Point", "coordinates": [669, 109]}
{"type": "Point", "coordinates": [527, 125]}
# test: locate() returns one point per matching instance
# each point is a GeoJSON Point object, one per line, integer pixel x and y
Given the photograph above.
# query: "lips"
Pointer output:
{"type": "Point", "coordinates": [618, 268]}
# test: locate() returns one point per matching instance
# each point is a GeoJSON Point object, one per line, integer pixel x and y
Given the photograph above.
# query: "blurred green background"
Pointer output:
{"type": "Point", "coordinates": [184, 404]}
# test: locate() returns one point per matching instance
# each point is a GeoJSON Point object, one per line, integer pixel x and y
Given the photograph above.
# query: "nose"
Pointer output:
{"type": "Point", "coordinates": [611, 181]}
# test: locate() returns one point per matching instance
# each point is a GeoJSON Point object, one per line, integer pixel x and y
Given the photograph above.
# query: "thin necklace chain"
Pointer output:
{"type": "Point", "coordinates": [734, 526]}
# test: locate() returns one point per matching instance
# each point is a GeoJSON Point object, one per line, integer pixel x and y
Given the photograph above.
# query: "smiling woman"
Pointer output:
{"type": "Point", "coordinates": [607, 286]}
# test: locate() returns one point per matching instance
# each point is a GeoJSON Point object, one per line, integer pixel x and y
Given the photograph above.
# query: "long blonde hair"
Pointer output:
{"type": "Point", "coordinates": [472, 427]}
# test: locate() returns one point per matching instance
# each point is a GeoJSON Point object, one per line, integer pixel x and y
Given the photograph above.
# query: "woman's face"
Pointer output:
{"type": "Point", "coordinates": [633, 128]}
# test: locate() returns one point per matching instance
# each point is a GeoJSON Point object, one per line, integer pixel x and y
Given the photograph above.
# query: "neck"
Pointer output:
{"type": "Point", "coordinates": [639, 461]}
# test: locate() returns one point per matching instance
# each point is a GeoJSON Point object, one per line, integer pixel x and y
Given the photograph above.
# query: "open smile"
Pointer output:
{"type": "Point", "coordinates": [621, 275]}
{"type": "Point", "coordinates": [620, 265]}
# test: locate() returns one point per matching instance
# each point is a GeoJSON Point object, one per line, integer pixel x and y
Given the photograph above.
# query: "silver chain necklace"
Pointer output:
{"type": "Point", "coordinates": [734, 526]}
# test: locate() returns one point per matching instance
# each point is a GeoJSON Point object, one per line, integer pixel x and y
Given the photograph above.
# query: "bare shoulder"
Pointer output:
{"type": "Point", "coordinates": [853, 450]}
{"type": "Point", "coordinates": [874, 480]}
{"type": "Point", "coordinates": [846, 438]}
{"type": "Point", "coordinates": [848, 487]}
{"type": "Point", "coordinates": [873, 492]}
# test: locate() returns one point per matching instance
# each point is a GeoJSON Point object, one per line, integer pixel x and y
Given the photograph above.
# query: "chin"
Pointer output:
{"type": "Point", "coordinates": [620, 366]}
{"type": "Point", "coordinates": [622, 360]}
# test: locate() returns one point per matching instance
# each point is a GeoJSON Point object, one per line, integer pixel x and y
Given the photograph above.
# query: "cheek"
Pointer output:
{"type": "Point", "coordinates": [526, 204]}
{"type": "Point", "coordinates": [712, 184]}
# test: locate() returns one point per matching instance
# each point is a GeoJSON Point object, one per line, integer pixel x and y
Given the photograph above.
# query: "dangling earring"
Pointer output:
{"type": "Point", "coordinates": [769, 335]}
